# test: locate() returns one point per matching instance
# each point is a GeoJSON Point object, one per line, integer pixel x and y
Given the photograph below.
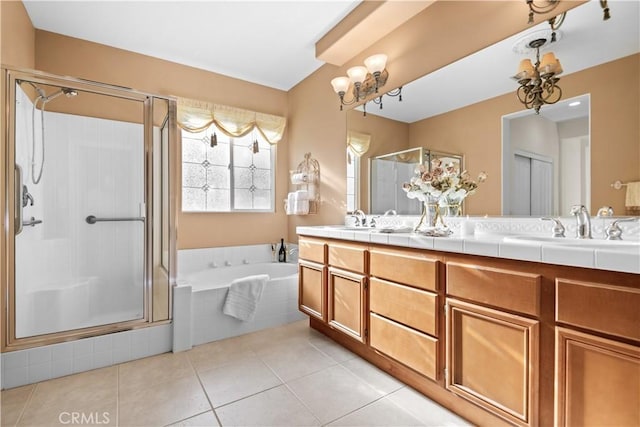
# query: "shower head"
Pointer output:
{"type": "Point", "coordinates": [69, 93]}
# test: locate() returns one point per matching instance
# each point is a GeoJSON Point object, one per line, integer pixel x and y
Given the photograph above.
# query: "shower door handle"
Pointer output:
{"type": "Point", "coordinates": [18, 199]}
{"type": "Point", "coordinates": [92, 219]}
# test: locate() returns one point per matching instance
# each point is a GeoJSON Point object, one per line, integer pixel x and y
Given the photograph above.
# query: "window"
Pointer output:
{"type": "Point", "coordinates": [353, 170]}
{"type": "Point", "coordinates": [230, 176]}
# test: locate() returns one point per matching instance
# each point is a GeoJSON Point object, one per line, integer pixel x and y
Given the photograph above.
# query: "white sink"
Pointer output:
{"type": "Point", "coordinates": [568, 241]}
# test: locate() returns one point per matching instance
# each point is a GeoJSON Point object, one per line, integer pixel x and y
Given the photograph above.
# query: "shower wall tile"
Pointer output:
{"type": "Point", "coordinates": [61, 368]}
{"type": "Point", "coordinates": [42, 363]}
{"type": "Point", "coordinates": [140, 344]}
{"type": "Point", "coordinates": [62, 351]}
{"type": "Point", "coordinates": [83, 347]}
{"type": "Point", "coordinates": [83, 363]}
{"type": "Point", "coordinates": [15, 377]}
{"type": "Point", "coordinates": [40, 372]}
{"type": "Point", "coordinates": [102, 359]}
{"type": "Point", "coordinates": [39, 355]}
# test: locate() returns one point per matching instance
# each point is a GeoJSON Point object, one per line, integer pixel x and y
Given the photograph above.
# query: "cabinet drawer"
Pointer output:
{"type": "Point", "coordinates": [409, 306]}
{"type": "Point", "coordinates": [496, 287]}
{"type": "Point", "coordinates": [312, 250]}
{"type": "Point", "coordinates": [348, 256]}
{"type": "Point", "coordinates": [417, 351]}
{"type": "Point", "coordinates": [618, 309]}
{"type": "Point", "coordinates": [409, 268]}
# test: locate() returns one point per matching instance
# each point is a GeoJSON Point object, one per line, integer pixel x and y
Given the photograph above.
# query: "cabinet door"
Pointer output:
{"type": "Point", "coordinates": [312, 289]}
{"type": "Point", "coordinates": [492, 360]}
{"type": "Point", "coordinates": [346, 303]}
{"type": "Point", "coordinates": [597, 381]}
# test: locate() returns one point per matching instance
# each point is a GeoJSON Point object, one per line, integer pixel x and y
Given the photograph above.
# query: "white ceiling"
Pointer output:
{"type": "Point", "coordinates": [586, 41]}
{"type": "Point", "coordinates": [271, 43]}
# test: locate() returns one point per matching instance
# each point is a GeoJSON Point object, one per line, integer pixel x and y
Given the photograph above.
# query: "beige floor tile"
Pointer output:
{"type": "Point", "coordinates": [274, 407]}
{"type": "Point", "coordinates": [296, 360]}
{"type": "Point", "coordinates": [91, 394]}
{"type": "Point", "coordinates": [237, 380]}
{"type": "Point", "coordinates": [162, 404]}
{"type": "Point", "coordinates": [334, 350]}
{"type": "Point", "coordinates": [13, 403]}
{"type": "Point", "coordinates": [333, 393]}
{"type": "Point", "coordinates": [373, 376]}
{"type": "Point", "coordinates": [382, 413]}
{"type": "Point", "coordinates": [215, 354]}
{"type": "Point", "coordinates": [426, 410]}
{"type": "Point", "coordinates": [145, 373]}
{"type": "Point", "coordinates": [208, 419]}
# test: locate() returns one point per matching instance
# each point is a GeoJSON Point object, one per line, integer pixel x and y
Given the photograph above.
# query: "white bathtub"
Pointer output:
{"type": "Point", "coordinates": [213, 278]}
{"type": "Point", "coordinates": [208, 290]}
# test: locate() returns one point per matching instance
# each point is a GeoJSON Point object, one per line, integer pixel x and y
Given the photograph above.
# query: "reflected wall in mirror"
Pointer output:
{"type": "Point", "coordinates": [546, 159]}
{"type": "Point", "coordinates": [447, 111]}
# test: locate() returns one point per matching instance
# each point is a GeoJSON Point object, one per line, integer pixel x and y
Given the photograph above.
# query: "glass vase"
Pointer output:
{"type": "Point", "coordinates": [430, 215]}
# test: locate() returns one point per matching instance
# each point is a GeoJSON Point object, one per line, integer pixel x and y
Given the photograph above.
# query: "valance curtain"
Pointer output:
{"type": "Point", "coordinates": [358, 143]}
{"type": "Point", "coordinates": [196, 116]}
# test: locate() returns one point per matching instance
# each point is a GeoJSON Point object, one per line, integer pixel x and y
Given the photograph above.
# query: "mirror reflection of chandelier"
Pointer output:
{"type": "Point", "coordinates": [539, 81]}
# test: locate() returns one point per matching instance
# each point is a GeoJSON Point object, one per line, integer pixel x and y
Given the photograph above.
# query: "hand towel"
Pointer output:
{"type": "Point", "coordinates": [632, 198]}
{"type": "Point", "coordinates": [243, 296]}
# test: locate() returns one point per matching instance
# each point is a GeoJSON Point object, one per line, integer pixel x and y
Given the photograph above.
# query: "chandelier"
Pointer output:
{"type": "Point", "coordinates": [546, 6]}
{"type": "Point", "coordinates": [366, 81]}
{"type": "Point", "coordinates": [539, 82]}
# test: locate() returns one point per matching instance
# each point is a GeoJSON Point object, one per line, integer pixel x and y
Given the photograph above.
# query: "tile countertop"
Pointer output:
{"type": "Point", "coordinates": [491, 238]}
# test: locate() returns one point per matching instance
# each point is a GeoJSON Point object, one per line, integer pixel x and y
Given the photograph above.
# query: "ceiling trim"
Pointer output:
{"type": "Point", "coordinates": [366, 24]}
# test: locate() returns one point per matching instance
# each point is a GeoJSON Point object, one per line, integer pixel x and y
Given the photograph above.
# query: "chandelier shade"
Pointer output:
{"type": "Point", "coordinates": [365, 81]}
{"type": "Point", "coordinates": [539, 82]}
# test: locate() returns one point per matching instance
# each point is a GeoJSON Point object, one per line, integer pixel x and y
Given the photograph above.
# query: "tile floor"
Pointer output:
{"type": "Point", "coordinates": [285, 376]}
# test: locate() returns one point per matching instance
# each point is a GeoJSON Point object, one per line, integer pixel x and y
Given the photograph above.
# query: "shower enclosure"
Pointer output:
{"type": "Point", "coordinates": [88, 209]}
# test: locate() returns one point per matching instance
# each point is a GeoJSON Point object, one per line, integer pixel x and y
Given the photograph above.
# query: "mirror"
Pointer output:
{"type": "Point", "coordinates": [389, 171]}
{"type": "Point", "coordinates": [447, 111]}
{"type": "Point", "coordinates": [546, 159]}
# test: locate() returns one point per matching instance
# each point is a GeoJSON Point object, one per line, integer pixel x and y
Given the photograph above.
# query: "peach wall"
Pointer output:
{"type": "Point", "coordinates": [615, 133]}
{"type": "Point", "coordinates": [17, 35]}
{"type": "Point", "coordinates": [116, 66]}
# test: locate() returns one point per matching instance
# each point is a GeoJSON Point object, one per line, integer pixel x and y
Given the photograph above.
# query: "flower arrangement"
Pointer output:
{"type": "Point", "coordinates": [444, 185]}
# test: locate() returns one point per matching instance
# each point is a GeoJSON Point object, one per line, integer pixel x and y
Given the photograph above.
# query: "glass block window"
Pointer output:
{"type": "Point", "coordinates": [235, 174]}
{"type": "Point", "coordinates": [352, 180]}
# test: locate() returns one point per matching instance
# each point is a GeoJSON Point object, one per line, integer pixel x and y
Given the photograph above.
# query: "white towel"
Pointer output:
{"type": "Point", "coordinates": [632, 199]}
{"type": "Point", "coordinates": [243, 296]}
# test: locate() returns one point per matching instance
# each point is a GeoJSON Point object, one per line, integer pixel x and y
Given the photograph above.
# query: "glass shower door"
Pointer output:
{"type": "Point", "coordinates": [80, 245]}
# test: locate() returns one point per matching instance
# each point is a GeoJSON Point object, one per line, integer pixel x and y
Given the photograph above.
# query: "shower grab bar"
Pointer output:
{"type": "Point", "coordinates": [92, 219]}
{"type": "Point", "coordinates": [18, 200]}
{"type": "Point", "coordinates": [32, 222]}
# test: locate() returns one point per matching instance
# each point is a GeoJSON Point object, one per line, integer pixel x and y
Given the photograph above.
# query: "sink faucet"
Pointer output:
{"type": "Point", "coordinates": [583, 222]}
{"type": "Point", "coordinates": [361, 218]}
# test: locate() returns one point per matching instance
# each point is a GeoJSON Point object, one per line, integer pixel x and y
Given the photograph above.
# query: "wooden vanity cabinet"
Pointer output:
{"type": "Point", "coordinates": [403, 308]}
{"type": "Point", "coordinates": [499, 342]}
{"type": "Point", "coordinates": [346, 289]}
{"type": "Point", "coordinates": [597, 372]}
{"type": "Point", "coordinates": [312, 282]}
{"type": "Point", "coordinates": [492, 354]}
